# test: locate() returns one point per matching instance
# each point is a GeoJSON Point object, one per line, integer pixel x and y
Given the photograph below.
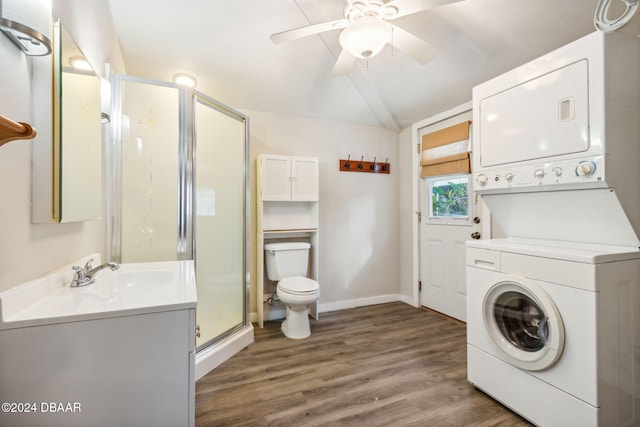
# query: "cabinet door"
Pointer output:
{"type": "Point", "coordinates": [304, 173]}
{"type": "Point", "coordinates": [276, 177]}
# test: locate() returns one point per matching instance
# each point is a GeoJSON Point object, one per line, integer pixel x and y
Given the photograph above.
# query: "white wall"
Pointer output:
{"type": "Point", "coordinates": [31, 250]}
{"type": "Point", "coordinates": [359, 258]}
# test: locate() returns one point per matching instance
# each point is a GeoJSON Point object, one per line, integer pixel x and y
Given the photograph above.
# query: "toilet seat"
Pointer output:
{"type": "Point", "coordinates": [298, 286]}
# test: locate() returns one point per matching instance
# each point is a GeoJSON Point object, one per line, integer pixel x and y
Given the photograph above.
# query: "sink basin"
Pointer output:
{"type": "Point", "coordinates": [134, 288]}
{"type": "Point", "coordinates": [132, 281]}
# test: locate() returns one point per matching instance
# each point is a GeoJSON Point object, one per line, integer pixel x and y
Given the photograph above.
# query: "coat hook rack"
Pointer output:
{"type": "Point", "coordinates": [362, 166]}
{"type": "Point", "coordinates": [10, 130]}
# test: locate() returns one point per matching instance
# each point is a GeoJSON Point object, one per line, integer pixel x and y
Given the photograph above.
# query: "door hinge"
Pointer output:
{"type": "Point", "coordinates": [419, 213]}
{"type": "Point", "coordinates": [418, 148]}
{"type": "Point", "coordinates": [419, 285]}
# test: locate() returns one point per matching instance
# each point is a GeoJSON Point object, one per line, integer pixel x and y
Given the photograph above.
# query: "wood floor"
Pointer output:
{"type": "Point", "coordinates": [382, 365]}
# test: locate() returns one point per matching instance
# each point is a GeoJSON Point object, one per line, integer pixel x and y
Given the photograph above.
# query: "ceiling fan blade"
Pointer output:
{"type": "Point", "coordinates": [413, 46]}
{"type": "Point", "coordinates": [407, 7]}
{"type": "Point", "coordinates": [343, 64]}
{"type": "Point", "coordinates": [301, 32]}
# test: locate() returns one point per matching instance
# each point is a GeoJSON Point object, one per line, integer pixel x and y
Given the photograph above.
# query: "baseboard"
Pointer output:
{"type": "Point", "coordinates": [353, 303]}
{"type": "Point", "coordinates": [360, 302]}
{"type": "Point", "coordinates": [410, 300]}
{"type": "Point", "coordinates": [212, 357]}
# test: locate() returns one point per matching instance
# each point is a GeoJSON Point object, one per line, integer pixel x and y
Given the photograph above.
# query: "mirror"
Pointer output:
{"type": "Point", "coordinates": [73, 184]}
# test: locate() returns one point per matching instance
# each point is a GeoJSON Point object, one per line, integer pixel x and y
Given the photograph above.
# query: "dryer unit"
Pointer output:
{"type": "Point", "coordinates": [569, 120]}
{"type": "Point", "coordinates": [553, 331]}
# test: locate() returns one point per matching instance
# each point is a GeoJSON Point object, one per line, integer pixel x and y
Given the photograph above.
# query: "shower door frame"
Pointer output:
{"type": "Point", "coordinates": [187, 145]}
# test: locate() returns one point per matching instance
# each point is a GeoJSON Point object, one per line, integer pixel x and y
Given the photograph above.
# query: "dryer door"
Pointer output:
{"type": "Point", "coordinates": [523, 322]}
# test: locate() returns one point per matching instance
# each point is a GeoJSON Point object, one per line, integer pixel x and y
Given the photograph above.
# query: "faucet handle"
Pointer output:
{"type": "Point", "coordinates": [79, 277]}
{"type": "Point", "coordinates": [89, 265]}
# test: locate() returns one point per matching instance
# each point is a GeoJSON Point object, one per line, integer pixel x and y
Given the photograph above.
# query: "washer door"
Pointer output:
{"type": "Point", "coordinates": [523, 322]}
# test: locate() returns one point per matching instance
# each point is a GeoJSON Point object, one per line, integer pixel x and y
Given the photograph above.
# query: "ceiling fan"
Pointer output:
{"type": "Point", "coordinates": [366, 30]}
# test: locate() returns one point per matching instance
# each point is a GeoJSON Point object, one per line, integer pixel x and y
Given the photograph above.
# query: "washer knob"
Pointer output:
{"type": "Point", "coordinates": [585, 169]}
{"type": "Point", "coordinates": [508, 176]}
{"type": "Point", "coordinates": [482, 179]}
{"type": "Point", "coordinates": [557, 171]}
{"type": "Point", "coordinates": [539, 173]}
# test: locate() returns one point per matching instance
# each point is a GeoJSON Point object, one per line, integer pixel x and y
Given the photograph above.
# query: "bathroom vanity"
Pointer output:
{"type": "Point", "coordinates": [117, 352]}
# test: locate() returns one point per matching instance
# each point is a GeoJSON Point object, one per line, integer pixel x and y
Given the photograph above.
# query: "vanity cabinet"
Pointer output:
{"type": "Point", "coordinates": [128, 370]}
{"type": "Point", "coordinates": [118, 352]}
{"type": "Point", "coordinates": [289, 178]}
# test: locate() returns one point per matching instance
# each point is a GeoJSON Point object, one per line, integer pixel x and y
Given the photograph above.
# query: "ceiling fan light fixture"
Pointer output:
{"type": "Point", "coordinates": [366, 37]}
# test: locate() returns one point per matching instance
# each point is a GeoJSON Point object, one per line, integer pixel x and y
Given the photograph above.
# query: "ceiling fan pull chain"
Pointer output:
{"type": "Point", "coordinates": [392, 44]}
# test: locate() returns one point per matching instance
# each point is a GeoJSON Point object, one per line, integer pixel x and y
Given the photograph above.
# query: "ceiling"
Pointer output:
{"type": "Point", "coordinates": [226, 45]}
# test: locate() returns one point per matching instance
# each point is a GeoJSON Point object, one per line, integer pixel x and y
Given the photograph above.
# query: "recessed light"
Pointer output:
{"type": "Point", "coordinates": [79, 62]}
{"type": "Point", "coordinates": [184, 80]}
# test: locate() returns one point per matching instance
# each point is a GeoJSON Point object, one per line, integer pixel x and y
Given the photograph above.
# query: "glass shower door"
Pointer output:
{"type": "Point", "coordinates": [219, 195]}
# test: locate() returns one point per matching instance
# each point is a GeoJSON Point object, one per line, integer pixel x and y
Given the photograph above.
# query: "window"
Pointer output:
{"type": "Point", "coordinates": [449, 197]}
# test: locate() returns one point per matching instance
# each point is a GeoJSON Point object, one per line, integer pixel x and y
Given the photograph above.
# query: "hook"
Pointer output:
{"type": "Point", "coordinates": [384, 166]}
{"type": "Point", "coordinates": [360, 164]}
{"type": "Point", "coordinates": [347, 164]}
{"type": "Point", "coordinates": [373, 165]}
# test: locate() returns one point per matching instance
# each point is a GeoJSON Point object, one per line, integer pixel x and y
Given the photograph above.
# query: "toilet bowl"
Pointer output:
{"type": "Point", "coordinates": [297, 293]}
{"type": "Point", "coordinates": [286, 264]}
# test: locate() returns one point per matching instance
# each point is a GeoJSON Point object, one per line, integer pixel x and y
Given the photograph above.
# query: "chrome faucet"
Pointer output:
{"type": "Point", "coordinates": [86, 275]}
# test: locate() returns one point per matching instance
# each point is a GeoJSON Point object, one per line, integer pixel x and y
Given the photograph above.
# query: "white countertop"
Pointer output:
{"type": "Point", "coordinates": [135, 288]}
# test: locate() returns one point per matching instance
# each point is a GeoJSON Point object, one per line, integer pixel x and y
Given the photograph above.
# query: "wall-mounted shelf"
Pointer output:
{"type": "Point", "coordinates": [291, 230]}
{"type": "Point", "coordinates": [11, 131]}
{"type": "Point", "coordinates": [362, 166]}
{"type": "Point", "coordinates": [287, 193]}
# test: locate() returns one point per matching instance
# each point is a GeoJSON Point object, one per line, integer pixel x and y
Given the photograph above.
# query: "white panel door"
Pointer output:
{"type": "Point", "coordinates": [276, 177]}
{"type": "Point", "coordinates": [304, 179]}
{"type": "Point", "coordinates": [442, 245]}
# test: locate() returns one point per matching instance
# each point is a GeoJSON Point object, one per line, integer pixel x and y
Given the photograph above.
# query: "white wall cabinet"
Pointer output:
{"type": "Point", "coordinates": [289, 178]}
{"type": "Point", "coordinates": [287, 209]}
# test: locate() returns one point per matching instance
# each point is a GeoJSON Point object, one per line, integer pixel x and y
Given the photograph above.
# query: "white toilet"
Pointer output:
{"type": "Point", "coordinates": [287, 264]}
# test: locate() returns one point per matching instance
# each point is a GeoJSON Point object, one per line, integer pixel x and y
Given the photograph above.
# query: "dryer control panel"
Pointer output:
{"type": "Point", "coordinates": [560, 175]}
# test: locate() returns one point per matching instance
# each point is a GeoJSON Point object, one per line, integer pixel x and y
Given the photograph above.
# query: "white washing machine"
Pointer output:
{"type": "Point", "coordinates": [552, 331]}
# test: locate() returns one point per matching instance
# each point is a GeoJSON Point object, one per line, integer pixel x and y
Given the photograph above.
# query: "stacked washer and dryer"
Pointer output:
{"type": "Point", "coordinates": [553, 310]}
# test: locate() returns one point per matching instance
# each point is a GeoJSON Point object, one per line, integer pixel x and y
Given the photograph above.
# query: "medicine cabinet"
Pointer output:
{"type": "Point", "coordinates": [67, 172]}
{"type": "Point", "coordinates": [287, 209]}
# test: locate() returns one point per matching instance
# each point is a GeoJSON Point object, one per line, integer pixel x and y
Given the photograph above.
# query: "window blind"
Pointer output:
{"type": "Point", "coordinates": [446, 151]}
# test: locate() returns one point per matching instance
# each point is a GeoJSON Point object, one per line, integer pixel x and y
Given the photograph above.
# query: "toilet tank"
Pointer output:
{"type": "Point", "coordinates": [286, 259]}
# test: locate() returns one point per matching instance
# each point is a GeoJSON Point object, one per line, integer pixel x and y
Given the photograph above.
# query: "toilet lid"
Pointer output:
{"type": "Point", "coordinates": [298, 285]}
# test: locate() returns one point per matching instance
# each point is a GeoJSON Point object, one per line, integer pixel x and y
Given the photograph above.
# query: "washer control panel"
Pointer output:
{"type": "Point", "coordinates": [580, 173]}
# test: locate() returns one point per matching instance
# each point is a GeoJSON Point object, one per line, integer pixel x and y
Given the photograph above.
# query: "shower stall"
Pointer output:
{"type": "Point", "coordinates": [178, 185]}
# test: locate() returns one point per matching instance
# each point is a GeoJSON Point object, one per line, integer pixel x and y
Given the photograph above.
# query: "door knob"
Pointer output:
{"type": "Point", "coordinates": [475, 235]}
{"type": "Point", "coordinates": [476, 220]}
